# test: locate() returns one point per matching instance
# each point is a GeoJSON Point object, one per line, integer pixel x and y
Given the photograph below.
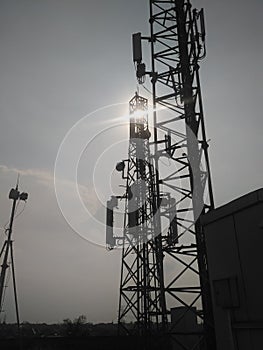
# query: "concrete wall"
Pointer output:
{"type": "Point", "coordinates": [234, 239]}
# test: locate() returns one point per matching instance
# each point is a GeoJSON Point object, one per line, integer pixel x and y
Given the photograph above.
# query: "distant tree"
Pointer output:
{"type": "Point", "coordinates": [82, 319]}
{"type": "Point", "coordinates": [75, 328]}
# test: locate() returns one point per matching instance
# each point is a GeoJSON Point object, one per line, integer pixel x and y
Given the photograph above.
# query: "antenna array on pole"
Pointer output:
{"type": "Point", "coordinates": [7, 251]}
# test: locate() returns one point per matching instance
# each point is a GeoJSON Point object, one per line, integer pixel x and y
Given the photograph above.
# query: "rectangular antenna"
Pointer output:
{"type": "Point", "coordinates": [111, 204]}
{"type": "Point", "coordinates": [137, 47]}
{"type": "Point", "coordinates": [202, 23]}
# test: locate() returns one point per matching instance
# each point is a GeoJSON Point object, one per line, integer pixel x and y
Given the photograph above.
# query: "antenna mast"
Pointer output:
{"type": "Point", "coordinates": [181, 191]}
{"type": "Point", "coordinates": [7, 251]}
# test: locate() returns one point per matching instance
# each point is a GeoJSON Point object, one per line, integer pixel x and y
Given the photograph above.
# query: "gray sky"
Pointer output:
{"type": "Point", "coordinates": [61, 60]}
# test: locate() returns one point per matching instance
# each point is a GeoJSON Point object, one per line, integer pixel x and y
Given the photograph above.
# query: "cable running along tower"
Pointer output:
{"type": "Point", "coordinates": [178, 187]}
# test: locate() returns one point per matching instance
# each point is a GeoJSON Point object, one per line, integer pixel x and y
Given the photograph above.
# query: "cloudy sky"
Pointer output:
{"type": "Point", "coordinates": [66, 69]}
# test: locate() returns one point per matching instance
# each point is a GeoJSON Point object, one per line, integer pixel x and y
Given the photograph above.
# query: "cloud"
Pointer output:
{"type": "Point", "coordinates": [78, 203]}
{"type": "Point", "coordinates": [45, 177]}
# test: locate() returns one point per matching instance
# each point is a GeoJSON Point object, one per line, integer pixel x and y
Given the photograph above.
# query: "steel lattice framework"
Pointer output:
{"type": "Point", "coordinates": [168, 187]}
{"type": "Point", "coordinates": [141, 288]}
{"type": "Point", "coordinates": [177, 36]}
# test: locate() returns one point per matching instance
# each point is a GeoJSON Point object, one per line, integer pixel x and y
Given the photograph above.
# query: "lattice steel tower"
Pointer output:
{"type": "Point", "coordinates": [179, 178]}
{"type": "Point", "coordinates": [141, 289]}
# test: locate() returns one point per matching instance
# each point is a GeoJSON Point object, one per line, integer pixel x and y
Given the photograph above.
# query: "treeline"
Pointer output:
{"type": "Point", "coordinates": [78, 327]}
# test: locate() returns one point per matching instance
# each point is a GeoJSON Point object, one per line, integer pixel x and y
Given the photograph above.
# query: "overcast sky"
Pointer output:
{"type": "Point", "coordinates": [61, 61]}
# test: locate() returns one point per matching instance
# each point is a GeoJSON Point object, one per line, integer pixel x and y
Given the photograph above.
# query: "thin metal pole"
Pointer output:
{"type": "Point", "coordinates": [5, 264]}
{"type": "Point", "coordinates": [158, 239]}
{"type": "Point", "coordinates": [14, 285]}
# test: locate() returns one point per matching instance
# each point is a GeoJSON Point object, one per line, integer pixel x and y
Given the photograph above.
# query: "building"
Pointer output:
{"type": "Point", "coordinates": [234, 238]}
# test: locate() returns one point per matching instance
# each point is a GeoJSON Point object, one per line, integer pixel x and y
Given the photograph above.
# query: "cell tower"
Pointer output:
{"type": "Point", "coordinates": [7, 251]}
{"type": "Point", "coordinates": [181, 191]}
{"type": "Point", "coordinates": [141, 289]}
